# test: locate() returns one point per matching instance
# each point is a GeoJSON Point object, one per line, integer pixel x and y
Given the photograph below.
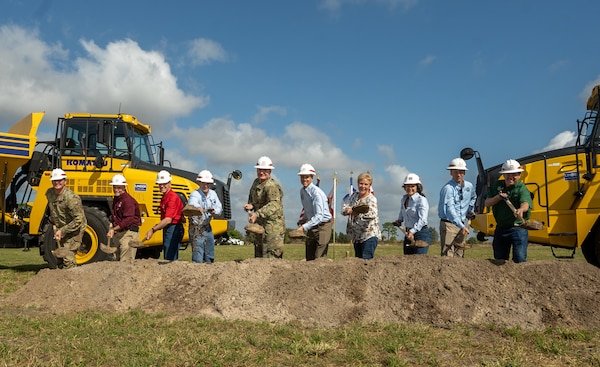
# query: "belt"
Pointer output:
{"type": "Point", "coordinates": [445, 220]}
{"type": "Point", "coordinates": [132, 228]}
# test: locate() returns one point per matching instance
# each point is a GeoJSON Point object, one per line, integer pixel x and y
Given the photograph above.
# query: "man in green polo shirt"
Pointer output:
{"type": "Point", "coordinates": [509, 217]}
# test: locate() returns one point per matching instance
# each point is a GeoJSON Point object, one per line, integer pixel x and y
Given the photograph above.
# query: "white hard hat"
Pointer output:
{"type": "Point", "coordinates": [163, 177]}
{"type": "Point", "coordinates": [118, 180]}
{"type": "Point", "coordinates": [306, 169]}
{"type": "Point", "coordinates": [264, 163]}
{"type": "Point", "coordinates": [205, 176]}
{"type": "Point", "coordinates": [58, 174]}
{"type": "Point", "coordinates": [411, 179]}
{"type": "Point", "coordinates": [458, 163]}
{"type": "Point", "coordinates": [511, 166]}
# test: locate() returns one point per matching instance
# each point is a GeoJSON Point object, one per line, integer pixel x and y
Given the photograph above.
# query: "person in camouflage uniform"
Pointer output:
{"type": "Point", "coordinates": [265, 207]}
{"type": "Point", "coordinates": [67, 216]}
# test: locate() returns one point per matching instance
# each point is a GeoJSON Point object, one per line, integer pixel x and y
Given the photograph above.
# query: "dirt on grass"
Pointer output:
{"type": "Point", "coordinates": [420, 289]}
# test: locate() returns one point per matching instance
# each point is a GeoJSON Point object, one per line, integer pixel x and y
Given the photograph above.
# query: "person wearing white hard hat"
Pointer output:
{"type": "Point", "coordinates": [125, 219]}
{"type": "Point", "coordinates": [68, 218]}
{"type": "Point", "coordinates": [171, 217]}
{"type": "Point", "coordinates": [201, 235]}
{"type": "Point", "coordinates": [265, 208]}
{"type": "Point", "coordinates": [455, 209]}
{"type": "Point", "coordinates": [413, 213]}
{"type": "Point", "coordinates": [363, 228]}
{"type": "Point", "coordinates": [316, 217]}
{"type": "Point", "coordinates": [510, 190]}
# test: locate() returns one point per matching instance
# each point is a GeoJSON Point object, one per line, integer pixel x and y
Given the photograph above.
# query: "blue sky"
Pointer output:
{"type": "Point", "coordinates": [385, 86]}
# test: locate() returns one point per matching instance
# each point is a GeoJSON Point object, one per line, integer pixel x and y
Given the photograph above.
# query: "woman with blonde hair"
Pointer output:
{"type": "Point", "coordinates": [363, 225]}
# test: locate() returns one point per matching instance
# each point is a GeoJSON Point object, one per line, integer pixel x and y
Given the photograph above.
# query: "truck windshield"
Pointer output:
{"type": "Point", "coordinates": [129, 139]}
{"type": "Point", "coordinates": [106, 137]}
{"type": "Point", "coordinates": [142, 148]}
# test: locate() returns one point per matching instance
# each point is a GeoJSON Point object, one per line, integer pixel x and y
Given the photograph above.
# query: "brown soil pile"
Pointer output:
{"type": "Point", "coordinates": [421, 289]}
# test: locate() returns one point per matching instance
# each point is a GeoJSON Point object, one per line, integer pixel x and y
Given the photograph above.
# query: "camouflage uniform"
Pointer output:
{"type": "Point", "coordinates": [267, 200]}
{"type": "Point", "coordinates": [66, 213]}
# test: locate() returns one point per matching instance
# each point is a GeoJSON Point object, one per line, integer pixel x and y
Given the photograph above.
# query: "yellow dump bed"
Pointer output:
{"type": "Point", "coordinates": [16, 149]}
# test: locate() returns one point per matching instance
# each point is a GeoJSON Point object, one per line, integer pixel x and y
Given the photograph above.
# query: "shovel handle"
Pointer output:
{"type": "Point", "coordinates": [512, 207]}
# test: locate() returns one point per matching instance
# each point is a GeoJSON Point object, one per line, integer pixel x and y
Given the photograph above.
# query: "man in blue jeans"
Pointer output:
{"type": "Point", "coordinates": [171, 218]}
{"type": "Point", "coordinates": [201, 235]}
{"type": "Point", "coordinates": [509, 217]}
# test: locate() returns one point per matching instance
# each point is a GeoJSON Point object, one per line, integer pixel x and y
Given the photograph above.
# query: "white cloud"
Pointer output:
{"type": "Point", "coordinates": [562, 140]}
{"type": "Point", "coordinates": [221, 141]}
{"type": "Point", "coordinates": [387, 151]}
{"type": "Point", "coordinates": [36, 76]}
{"type": "Point", "coordinates": [203, 51]}
{"type": "Point", "coordinates": [264, 112]}
{"type": "Point", "coordinates": [427, 60]}
{"type": "Point", "coordinates": [558, 65]}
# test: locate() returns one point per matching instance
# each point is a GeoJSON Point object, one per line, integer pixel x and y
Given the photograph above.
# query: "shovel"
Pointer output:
{"type": "Point", "coordinates": [137, 243]}
{"type": "Point", "coordinates": [106, 248]}
{"type": "Point", "coordinates": [60, 251]}
{"type": "Point", "coordinates": [409, 243]}
{"type": "Point", "coordinates": [253, 227]}
{"type": "Point", "coordinates": [533, 224]}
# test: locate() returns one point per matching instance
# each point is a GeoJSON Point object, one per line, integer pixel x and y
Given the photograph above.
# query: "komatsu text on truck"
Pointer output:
{"type": "Point", "coordinates": [91, 149]}
{"type": "Point", "coordinates": [565, 187]}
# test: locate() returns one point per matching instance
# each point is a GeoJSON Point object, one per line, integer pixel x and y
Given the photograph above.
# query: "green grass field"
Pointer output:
{"type": "Point", "coordinates": [95, 338]}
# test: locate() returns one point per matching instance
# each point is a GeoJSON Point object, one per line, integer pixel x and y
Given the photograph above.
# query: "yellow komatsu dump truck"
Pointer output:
{"type": "Point", "coordinates": [565, 186]}
{"type": "Point", "coordinates": [91, 149]}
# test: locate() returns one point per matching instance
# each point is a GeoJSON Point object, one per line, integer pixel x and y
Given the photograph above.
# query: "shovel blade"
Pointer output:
{"type": "Point", "coordinates": [136, 244]}
{"type": "Point", "coordinates": [61, 252]}
{"type": "Point", "coordinates": [107, 249]}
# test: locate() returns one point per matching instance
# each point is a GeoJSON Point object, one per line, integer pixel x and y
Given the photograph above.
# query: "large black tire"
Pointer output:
{"type": "Point", "coordinates": [89, 251]}
{"type": "Point", "coordinates": [591, 247]}
{"type": "Point", "coordinates": [95, 234]}
{"type": "Point", "coordinates": [47, 246]}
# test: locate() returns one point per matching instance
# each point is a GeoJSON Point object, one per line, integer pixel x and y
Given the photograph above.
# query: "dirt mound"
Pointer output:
{"type": "Point", "coordinates": [422, 289]}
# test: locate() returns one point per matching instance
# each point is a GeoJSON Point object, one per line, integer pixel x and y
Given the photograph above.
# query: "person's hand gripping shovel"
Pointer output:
{"type": "Point", "coordinates": [106, 248]}
{"type": "Point", "coordinates": [60, 251]}
{"type": "Point", "coordinates": [253, 227]}
{"type": "Point", "coordinates": [533, 224]}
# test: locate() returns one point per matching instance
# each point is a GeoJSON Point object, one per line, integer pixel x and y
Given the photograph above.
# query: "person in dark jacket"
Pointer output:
{"type": "Point", "coordinates": [125, 220]}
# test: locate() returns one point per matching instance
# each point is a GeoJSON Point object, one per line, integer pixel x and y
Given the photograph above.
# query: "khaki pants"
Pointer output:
{"type": "Point", "coordinates": [452, 239]}
{"type": "Point", "coordinates": [317, 241]}
{"type": "Point", "coordinates": [122, 239]}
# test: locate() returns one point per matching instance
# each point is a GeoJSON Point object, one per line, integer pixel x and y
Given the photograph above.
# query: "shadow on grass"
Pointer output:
{"type": "Point", "coordinates": [24, 268]}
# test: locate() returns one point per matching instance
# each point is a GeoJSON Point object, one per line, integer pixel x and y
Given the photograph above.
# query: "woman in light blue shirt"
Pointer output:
{"type": "Point", "coordinates": [413, 213]}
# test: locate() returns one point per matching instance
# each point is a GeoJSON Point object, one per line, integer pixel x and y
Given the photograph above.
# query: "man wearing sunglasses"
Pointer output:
{"type": "Point", "coordinates": [457, 200]}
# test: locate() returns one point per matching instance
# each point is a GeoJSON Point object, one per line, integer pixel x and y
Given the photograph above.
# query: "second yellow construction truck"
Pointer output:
{"type": "Point", "coordinates": [91, 149]}
{"type": "Point", "coordinates": [565, 187]}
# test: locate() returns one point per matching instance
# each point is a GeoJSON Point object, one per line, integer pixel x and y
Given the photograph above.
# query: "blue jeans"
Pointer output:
{"type": "Point", "coordinates": [505, 237]}
{"type": "Point", "coordinates": [203, 249]}
{"type": "Point", "coordinates": [172, 236]}
{"type": "Point", "coordinates": [366, 249]}
{"type": "Point", "coordinates": [424, 235]}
